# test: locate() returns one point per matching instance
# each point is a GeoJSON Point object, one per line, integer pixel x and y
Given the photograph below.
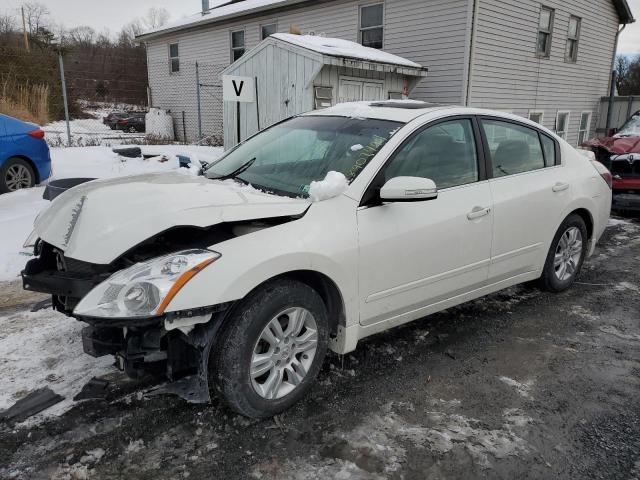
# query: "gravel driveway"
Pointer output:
{"type": "Point", "coordinates": [522, 384]}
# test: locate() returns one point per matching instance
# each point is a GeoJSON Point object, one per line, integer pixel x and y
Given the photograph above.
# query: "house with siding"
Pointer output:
{"type": "Point", "coordinates": [547, 60]}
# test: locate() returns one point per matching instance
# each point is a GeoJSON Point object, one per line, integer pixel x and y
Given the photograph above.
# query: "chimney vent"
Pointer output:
{"type": "Point", "coordinates": [205, 6]}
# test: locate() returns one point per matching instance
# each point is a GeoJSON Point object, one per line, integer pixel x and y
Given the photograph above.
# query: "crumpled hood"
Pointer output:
{"type": "Point", "coordinates": [618, 145]}
{"type": "Point", "coordinates": [98, 221]}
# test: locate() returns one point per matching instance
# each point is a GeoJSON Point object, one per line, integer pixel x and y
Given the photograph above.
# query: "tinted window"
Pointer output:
{"type": "Point", "coordinates": [445, 153]}
{"type": "Point", "coordinates": [513, 148]}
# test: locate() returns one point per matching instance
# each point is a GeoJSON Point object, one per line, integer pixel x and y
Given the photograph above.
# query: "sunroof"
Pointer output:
{"type": "Point", "coordinates": [407, 105]}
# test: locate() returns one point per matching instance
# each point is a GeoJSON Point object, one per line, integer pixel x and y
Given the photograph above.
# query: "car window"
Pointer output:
{"type": "Point", "coordinates": [445, 153]}
{"type": "Point", "coordinates": [513, 148]}
{"type": "Point", "coordinates": [549, 147]}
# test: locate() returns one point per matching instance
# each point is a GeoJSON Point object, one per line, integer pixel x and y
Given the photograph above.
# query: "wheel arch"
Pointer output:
{"type": "Point", "coordinates": [587, 217]}
{"type": "Point", "coordinates": [325, 287]}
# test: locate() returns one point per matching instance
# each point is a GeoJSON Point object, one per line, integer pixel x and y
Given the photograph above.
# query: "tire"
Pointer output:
{"type": "Point", "coordinates": [554, 278]}
{"type": "Point", "coordinates": [133, 130]}
{"type": "Point", "coordinates": [16, 174]}
{"type": "Point", "coordinates": [244, 337]}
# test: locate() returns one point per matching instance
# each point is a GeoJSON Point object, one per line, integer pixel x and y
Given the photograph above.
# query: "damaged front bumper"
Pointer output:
{"type": "Point", "coordinates": [176, 347]}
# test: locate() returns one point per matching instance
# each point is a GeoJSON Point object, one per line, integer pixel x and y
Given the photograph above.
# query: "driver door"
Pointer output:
{"type": "Point", "coordinates": [415, 255]}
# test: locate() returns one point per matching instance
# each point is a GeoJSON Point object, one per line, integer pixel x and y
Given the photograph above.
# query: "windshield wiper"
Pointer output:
{"type": "Point", "coordinates": [243, 168]}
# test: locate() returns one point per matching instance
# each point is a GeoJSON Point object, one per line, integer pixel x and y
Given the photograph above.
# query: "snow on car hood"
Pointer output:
{"type": "Point", "coordinates": [98, 221]}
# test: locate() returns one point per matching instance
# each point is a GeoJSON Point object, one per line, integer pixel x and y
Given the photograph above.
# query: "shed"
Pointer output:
{"type": "Point", "coordinates": [298, 73]}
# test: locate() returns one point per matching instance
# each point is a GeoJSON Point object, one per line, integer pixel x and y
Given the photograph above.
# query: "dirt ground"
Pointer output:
{"type": "Point", "coordinates": [522, 384]}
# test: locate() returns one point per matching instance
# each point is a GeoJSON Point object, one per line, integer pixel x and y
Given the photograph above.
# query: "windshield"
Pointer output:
{"type": "Point", "coordinates": [287, 157]}
{"type": "Point", "coordinates": [631, 128]}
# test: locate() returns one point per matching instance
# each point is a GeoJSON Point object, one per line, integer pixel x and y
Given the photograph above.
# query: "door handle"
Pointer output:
{"type": "Point", "coordinates": [560, 187]}
{"type": "Point", "coordinates": [478, 212]}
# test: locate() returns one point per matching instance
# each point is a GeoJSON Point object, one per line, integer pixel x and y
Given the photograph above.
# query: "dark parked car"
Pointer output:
{"type": "Point", "coordinates": [620, 153]}
{"type": "Point", "coordinates": [24, 155]}
{"type": "Point", "coordinates": [132, 124]}
{"type": "Point", "coordinates": [112, 119]}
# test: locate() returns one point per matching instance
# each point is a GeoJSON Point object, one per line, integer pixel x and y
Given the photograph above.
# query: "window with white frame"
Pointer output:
{"type": "Point", "coordinates": [268, 30]}
{"type": "Point", "coordinates": [545, 29]}
{"type": "Point", "coordinates": [583, 131]}
{"type": "Point", "coordinates": [562, 124]}
{"type": "Point", "coordinates": [573, 35]}
{"type": "Point", "coordinates": [372, 25]}
{"type": "Point", "coordinates": [174, 58]}
{"type": "Point", "coordinates": [237, 45]}
{"type": "Point", "coordinates": [536, 116]}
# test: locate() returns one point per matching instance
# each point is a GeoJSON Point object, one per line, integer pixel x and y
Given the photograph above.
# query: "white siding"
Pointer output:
{"type": "Point", "coordinates": [430, 32]}
{"type": "Point", "coordinates": [507, 74]}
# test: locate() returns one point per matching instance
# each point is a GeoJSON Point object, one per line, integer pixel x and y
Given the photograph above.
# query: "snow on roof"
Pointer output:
{"type": "Point", "coordinates": [337, 47]}
{"type": "Point", "coordinates": [220, 9]}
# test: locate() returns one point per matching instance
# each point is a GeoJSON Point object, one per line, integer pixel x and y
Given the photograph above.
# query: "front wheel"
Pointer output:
{"type": "Point", "coordinates": [270, 353]}
{"type": "Point", "coordinates": [566, 255]}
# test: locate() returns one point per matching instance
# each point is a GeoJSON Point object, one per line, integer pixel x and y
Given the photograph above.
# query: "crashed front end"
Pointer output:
{"type": "Point", "coordinates": [125, 313]}
{"type": "Point", "coordinates": [114, 253]}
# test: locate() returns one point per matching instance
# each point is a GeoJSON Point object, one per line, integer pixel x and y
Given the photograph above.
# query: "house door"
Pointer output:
{"type": "Point", "coordinates": [353, 90]}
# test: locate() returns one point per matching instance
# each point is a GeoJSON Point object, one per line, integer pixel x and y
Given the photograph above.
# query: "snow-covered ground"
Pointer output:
{"type": "Point", "coordinates": [18, 210]}
{"type": "Point", "coordinates": [45, 348]}
{"type": "Point", "coordinates": [91, 130]}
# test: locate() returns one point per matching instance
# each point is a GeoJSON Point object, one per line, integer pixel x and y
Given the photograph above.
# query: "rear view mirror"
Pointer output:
{"type": "Point", "coordinates": [408, 189]}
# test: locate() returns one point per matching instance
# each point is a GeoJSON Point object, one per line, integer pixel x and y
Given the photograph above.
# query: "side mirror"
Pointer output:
{"type": "Point", "coordinates": [408, 189]}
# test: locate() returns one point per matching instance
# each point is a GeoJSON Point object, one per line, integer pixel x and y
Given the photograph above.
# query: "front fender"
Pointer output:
{"type": "Point", "coordinates": [310, 243]}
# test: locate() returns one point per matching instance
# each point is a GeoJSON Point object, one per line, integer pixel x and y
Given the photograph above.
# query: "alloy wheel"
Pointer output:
{"type": "Point", "coordinates": [18, 176]}
{"type": "Point", "coordinates": [284, 353]}
{"type": "Point", "coordinates": [568, 253]}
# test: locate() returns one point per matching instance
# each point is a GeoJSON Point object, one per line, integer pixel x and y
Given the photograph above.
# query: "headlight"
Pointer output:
{"type": "Point", "coordinates": [145, 289]}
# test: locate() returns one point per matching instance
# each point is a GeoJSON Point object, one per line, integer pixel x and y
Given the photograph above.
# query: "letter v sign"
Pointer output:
{"type": "Point", "coordinates": [237, 89]}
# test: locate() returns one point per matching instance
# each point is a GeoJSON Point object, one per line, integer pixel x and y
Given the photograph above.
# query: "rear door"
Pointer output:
{"type": "Point", "coordinates": [529, 188]}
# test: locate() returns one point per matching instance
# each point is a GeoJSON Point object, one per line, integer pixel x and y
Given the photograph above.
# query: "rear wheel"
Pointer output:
{"type": "Point", "coordinates": [566, 255]}
{"type": "Point", "coordinates": [270, 353]}
{"type": "Point", "coordinates": [16, 174]}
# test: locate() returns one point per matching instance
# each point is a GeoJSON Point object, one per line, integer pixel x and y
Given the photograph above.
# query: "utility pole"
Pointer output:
{"type": "Point", "coordinates": [64, 95]}
{"type": "Point", "coordinates": [24, 31]}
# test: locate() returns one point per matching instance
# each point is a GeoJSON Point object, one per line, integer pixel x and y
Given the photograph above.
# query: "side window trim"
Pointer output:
{"type": "Point", "coordinates": [378, 178]}
{"type": "Point", "coordinates": [485, 142]}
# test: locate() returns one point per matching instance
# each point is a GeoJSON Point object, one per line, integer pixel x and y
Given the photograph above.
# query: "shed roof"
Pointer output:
{"type": "Point", "coordinates": [337, 47]}
{"type": "Point", "coordinates": [228, 9]}
{"type": "Point", "coordinates": [337, 52]}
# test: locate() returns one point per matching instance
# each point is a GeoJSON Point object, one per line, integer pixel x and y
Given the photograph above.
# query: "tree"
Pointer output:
{"type": "Point", "coordinates": [628, 81]}
{"type": "Point", "coordinates": [155, 17]}
{"type": "Point", "coordinates": [82, 35]}
{"type": "Point", "coordinates": [36, 16]}
{"type": "Point", "coordinates": [7, 23]}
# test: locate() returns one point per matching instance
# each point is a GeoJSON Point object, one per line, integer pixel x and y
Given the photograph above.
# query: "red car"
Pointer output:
{"type": "Point", "coordinates": [620, 153]}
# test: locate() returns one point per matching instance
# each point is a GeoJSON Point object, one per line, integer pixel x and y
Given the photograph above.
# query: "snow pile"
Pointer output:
{"type": "Point", "coordinates": [44, 349]}
{"type": "Point", "coordinates": [334, 184]}
{"type": "Point", "coordinates": [338, 47]}
{"type": "Point", "coordinates": [19, 209]}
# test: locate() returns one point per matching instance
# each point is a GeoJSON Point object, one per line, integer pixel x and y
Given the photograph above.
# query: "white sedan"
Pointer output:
{"type": "Point", "coordinates": [313, 234]}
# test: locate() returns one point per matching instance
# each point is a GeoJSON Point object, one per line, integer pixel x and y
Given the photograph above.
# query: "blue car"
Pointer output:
{"type": "Point", "coordinates": [24, 155]}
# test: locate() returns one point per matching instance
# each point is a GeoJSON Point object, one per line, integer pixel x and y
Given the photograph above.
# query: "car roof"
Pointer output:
{"type": "Point", "coordinates": [408, 110]}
